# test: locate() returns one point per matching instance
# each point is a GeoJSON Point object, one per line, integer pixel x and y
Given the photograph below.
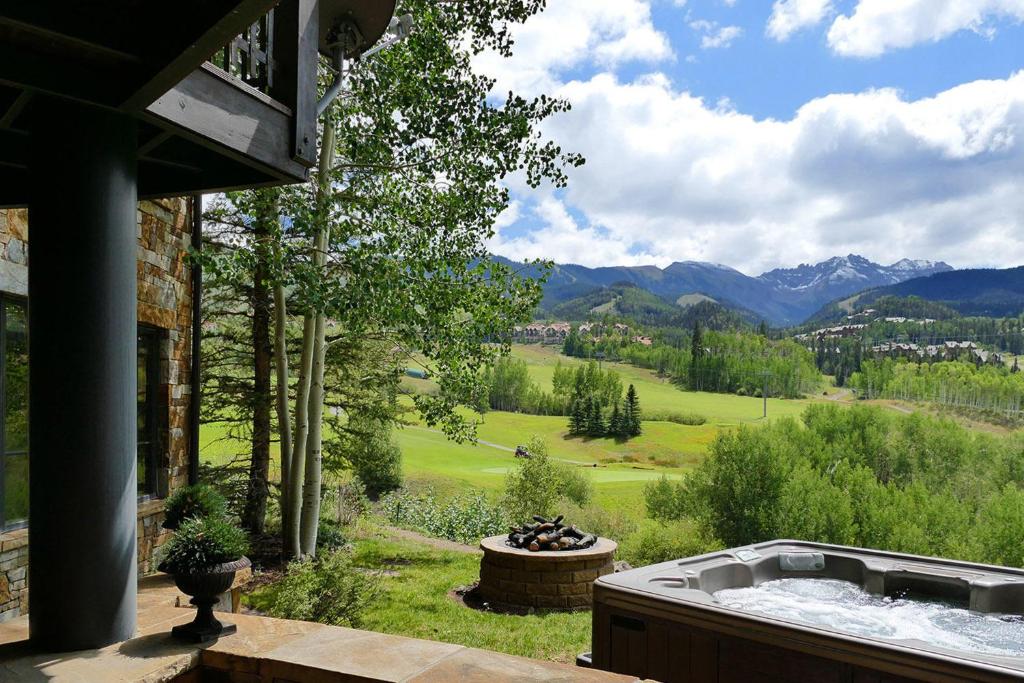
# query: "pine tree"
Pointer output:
{"type": "Point", "coordinates": [631, 419]}
{"type": "Point", "coordinates": [1016, 366]}
{"type": "Point", "coordinates": [615, 423]}
{"type": "Point", "coordinates": [577, 418]}
{"type": "Point", "coordinates": [696, 353]}
{"type": "Point", "coordinates": [762, 329]}
{"type": "Point", "coordinates": [595, 422]}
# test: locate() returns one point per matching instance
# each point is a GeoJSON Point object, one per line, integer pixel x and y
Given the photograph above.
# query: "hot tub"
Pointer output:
{"type": "Point", "coordinates": [692, 620]}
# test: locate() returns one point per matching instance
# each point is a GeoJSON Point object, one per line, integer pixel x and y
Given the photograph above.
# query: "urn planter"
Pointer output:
{"type": "Point", "coordinates": [205, 588]}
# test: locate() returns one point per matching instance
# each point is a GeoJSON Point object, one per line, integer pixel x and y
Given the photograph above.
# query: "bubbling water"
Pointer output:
{"type": "Point", "coordinates": [846, 607]}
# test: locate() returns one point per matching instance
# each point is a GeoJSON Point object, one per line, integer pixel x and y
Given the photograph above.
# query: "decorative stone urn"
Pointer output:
{"type": "Point", "coordinates": [557, 580]}
{"type": "Point", "coordinates": [205, 589]}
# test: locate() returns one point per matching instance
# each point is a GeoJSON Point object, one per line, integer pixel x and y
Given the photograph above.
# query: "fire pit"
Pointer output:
{"type": "Point", "coordinates": [543, 578]}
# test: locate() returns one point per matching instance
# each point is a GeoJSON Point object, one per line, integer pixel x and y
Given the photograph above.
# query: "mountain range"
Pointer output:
{"type": "Point", "coordinates": [784, 296]}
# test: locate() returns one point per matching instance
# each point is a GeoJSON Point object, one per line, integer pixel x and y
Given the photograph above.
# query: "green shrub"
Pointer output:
{"type": "Point", "coordinates": [655, 543]}
{"type": "Point", "coordinates": [811, 508]}
{"type": "Point", "coordinates": [689, 419]}
{"type": "Point", "coordinates": [999, 536]}
{"type": "Point", "coordinates": [465, 518]}
{"type": "Point", "coordinates": [196, 500]}
{"type": "Point", "coordinates": [595, 519]}
{"type": "Point", "coordinates": [327, 590]}
{"type": "Point", "coordinates": [664, 500]}
{"type": "Point", "coordinates": [345, 503]}
{"type": "Point", "coordinates": [330, 536]}
{"type": "Point", "coordinates": [373, 456]}
{"type": "Point", "coordinates": [532, 487]}
{"type": "Point", "coordinates": [200, 543]}
{"type": "Point", "coordinates": [538, 485]}
{"type": "Point", "coordinates": [575, 484]}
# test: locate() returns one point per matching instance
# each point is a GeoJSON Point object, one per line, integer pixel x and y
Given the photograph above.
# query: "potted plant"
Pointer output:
{"type": "Point", "coordinates": [196, 500]}
{"type": "Point", "coordinates": [203, 556]}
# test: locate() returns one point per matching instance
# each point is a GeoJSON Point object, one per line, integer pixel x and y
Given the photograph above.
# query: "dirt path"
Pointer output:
{"type": "Point", "coordinates": [439, 543]}
{"type": "Point", "coordinates": [841, 396]}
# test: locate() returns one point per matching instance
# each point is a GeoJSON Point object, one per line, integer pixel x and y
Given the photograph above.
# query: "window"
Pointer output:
{"type": "Point", "coordinates": [14, 406]}
{"type": "Point", "coordinates": [148, 388]}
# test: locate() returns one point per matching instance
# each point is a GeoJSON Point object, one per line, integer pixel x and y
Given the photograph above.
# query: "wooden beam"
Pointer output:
{"type": "Point", "coordinates": [296, 32]}
{"type": "Point", "coordinates": [209, 108]}
{"type": "Point", "coordinates": [154, 142]}
{"type": "Point", "coordinates": [7, 120]}
{"type": "Point", "coordinates": [236, 19]}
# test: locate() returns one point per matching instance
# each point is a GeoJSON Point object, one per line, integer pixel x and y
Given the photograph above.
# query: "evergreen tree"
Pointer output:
{"type": "Point", "coordinates": [631, 413]}
{"type": "Point", "coordinates": [615, 423]}
{"type": "Point", "coordinates": [572, 342]}
{"type": "Point", "coordinates": [762, 329]}
{"type": "Point", "coordinates": [1016, 366]}
{"type": "Point", "coordinates": [595, 422]}
{"type": "Point", "coordinates": [578, 418]}
{"type": "Point", "coordinates": [696, 353]}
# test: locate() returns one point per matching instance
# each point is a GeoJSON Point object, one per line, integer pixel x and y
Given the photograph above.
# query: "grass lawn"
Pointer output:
{"type": "Point", "coordinates": [415, 603]}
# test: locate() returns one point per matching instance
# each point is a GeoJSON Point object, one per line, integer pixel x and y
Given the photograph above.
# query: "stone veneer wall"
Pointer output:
{"type": "Point", "coordinates": [165, 302]}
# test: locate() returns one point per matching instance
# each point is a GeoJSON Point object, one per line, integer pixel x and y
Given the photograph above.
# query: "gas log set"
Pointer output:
{"type": "Point", "coordinates": [549, 535]}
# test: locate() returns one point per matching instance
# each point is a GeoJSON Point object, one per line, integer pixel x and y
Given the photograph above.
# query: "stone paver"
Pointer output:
{"type": "Point", "coordinates": [266, 650]}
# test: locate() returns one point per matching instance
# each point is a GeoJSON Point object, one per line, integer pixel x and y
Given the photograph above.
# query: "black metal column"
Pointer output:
{"type": "Point", "coordinates": [82, 395]}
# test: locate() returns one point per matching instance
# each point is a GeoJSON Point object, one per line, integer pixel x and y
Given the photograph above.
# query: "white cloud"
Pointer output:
{"type": "Point", "coordinates": [714, 36]}
{"type": "Point", "coordinates": [877, 26]}
{"type": "Point", "coordinates": [790, 16]}
{"type": "Point", "coordinates": [571, 33]}
{"type": "Point", "coordinates": [670, 177]}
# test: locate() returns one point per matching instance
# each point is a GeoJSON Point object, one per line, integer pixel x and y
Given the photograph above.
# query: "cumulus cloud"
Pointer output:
{"type": "Point", "coordinates": [878, 26]}
{"type": "Point", "coordinates": [672, 177]}
{"type": "Point", "coordinates": [790, 16]}
{"type": "Point", "coordinates": [570, 33]}
{"type": "Point", "coordinates": [713, 36]}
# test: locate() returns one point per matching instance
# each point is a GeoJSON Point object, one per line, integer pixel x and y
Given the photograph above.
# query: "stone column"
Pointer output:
{"type": "Point", "coordinates": [82, 402]}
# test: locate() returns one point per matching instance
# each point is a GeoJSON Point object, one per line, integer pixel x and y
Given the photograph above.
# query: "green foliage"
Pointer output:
{"type": "Point", "coordinates": [537, 485]}
{"type": "Point", "coordinates": [811, 506]}
{"type": "Point", "coordinates": [955, 383]}
{"type": "Point", "coordinates": [859, 476]}
{"type": "Point", "coordinates": [664, 500]}
{"type": "Point", "coordinates": [732, 363]}
{"type": "Point", "coordinates": [999, 537]}
{"type": "Point", "coordinates": [655, 543]}
{"type": "Point", "coordinates": [631, 414]}
{"type": "Point", "coordinates": [188, 502]}
{"type": "Point", "coordinates": [201, 543]}
{"type": "Point", "coordinates": [510, 388]}
{"type": "Point", "coordinates": [328, 590]}
{"type": "Point", "coordinates": [689, 419]}
{"type": "Point", "coordinates": [372, 455]}
{"type": "Point", "coordinates": [464, 518]}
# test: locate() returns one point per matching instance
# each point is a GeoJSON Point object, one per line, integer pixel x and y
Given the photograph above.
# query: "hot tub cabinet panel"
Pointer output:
{"type": "Point", "coordinates": [662, 623]}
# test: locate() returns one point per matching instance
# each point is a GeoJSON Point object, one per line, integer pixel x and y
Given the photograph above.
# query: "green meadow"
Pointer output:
{"type": "Point", "coordinates": [618, 469]}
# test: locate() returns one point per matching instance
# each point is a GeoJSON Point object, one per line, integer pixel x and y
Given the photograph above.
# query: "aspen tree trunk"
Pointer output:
{"type": "Point", "coordinates": [310, 508]}
{"type": "Point", "coordinates": [284, 420]}
{"type": "Point", "coordinates": [296, 475]}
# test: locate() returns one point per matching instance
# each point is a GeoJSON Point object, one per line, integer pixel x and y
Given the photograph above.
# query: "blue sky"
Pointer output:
{"type": "Point", "coordinates": [763, 134]}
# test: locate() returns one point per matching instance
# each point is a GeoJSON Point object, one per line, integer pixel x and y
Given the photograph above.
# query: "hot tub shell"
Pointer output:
{"type": "Point", "coordinates": [661, 622]}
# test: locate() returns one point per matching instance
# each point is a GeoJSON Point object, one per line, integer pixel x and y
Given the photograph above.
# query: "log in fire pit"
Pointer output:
{"type": "Point", "coordinates": [544, 564]}
{"type": "Point", "coordinates": [549, 535]}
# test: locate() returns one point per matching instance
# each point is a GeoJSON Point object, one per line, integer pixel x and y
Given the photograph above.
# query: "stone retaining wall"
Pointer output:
{"type": "Point", "coordinates": [562, 580]}
{"type": "Point", "coordinates": [165, 302]}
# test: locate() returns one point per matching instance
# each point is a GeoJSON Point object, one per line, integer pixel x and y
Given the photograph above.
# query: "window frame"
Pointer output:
{"type": "Point", "coordinates": [5, 300]}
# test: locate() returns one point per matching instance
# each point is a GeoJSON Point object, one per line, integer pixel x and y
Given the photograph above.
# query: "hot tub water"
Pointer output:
{"type": "Point", "coordinates": [846, 607]}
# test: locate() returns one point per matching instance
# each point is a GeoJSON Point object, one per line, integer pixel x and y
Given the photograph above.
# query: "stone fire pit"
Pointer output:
{"type": "Point", "coordinates": [546, 579]}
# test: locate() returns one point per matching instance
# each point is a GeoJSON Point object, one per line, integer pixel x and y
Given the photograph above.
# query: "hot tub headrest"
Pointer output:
{"type": "Point", "coordinates": [801, 562]}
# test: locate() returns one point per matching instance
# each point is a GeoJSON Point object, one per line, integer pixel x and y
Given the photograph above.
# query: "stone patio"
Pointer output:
{"type": "Point", "coordinates": [268, 650]}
